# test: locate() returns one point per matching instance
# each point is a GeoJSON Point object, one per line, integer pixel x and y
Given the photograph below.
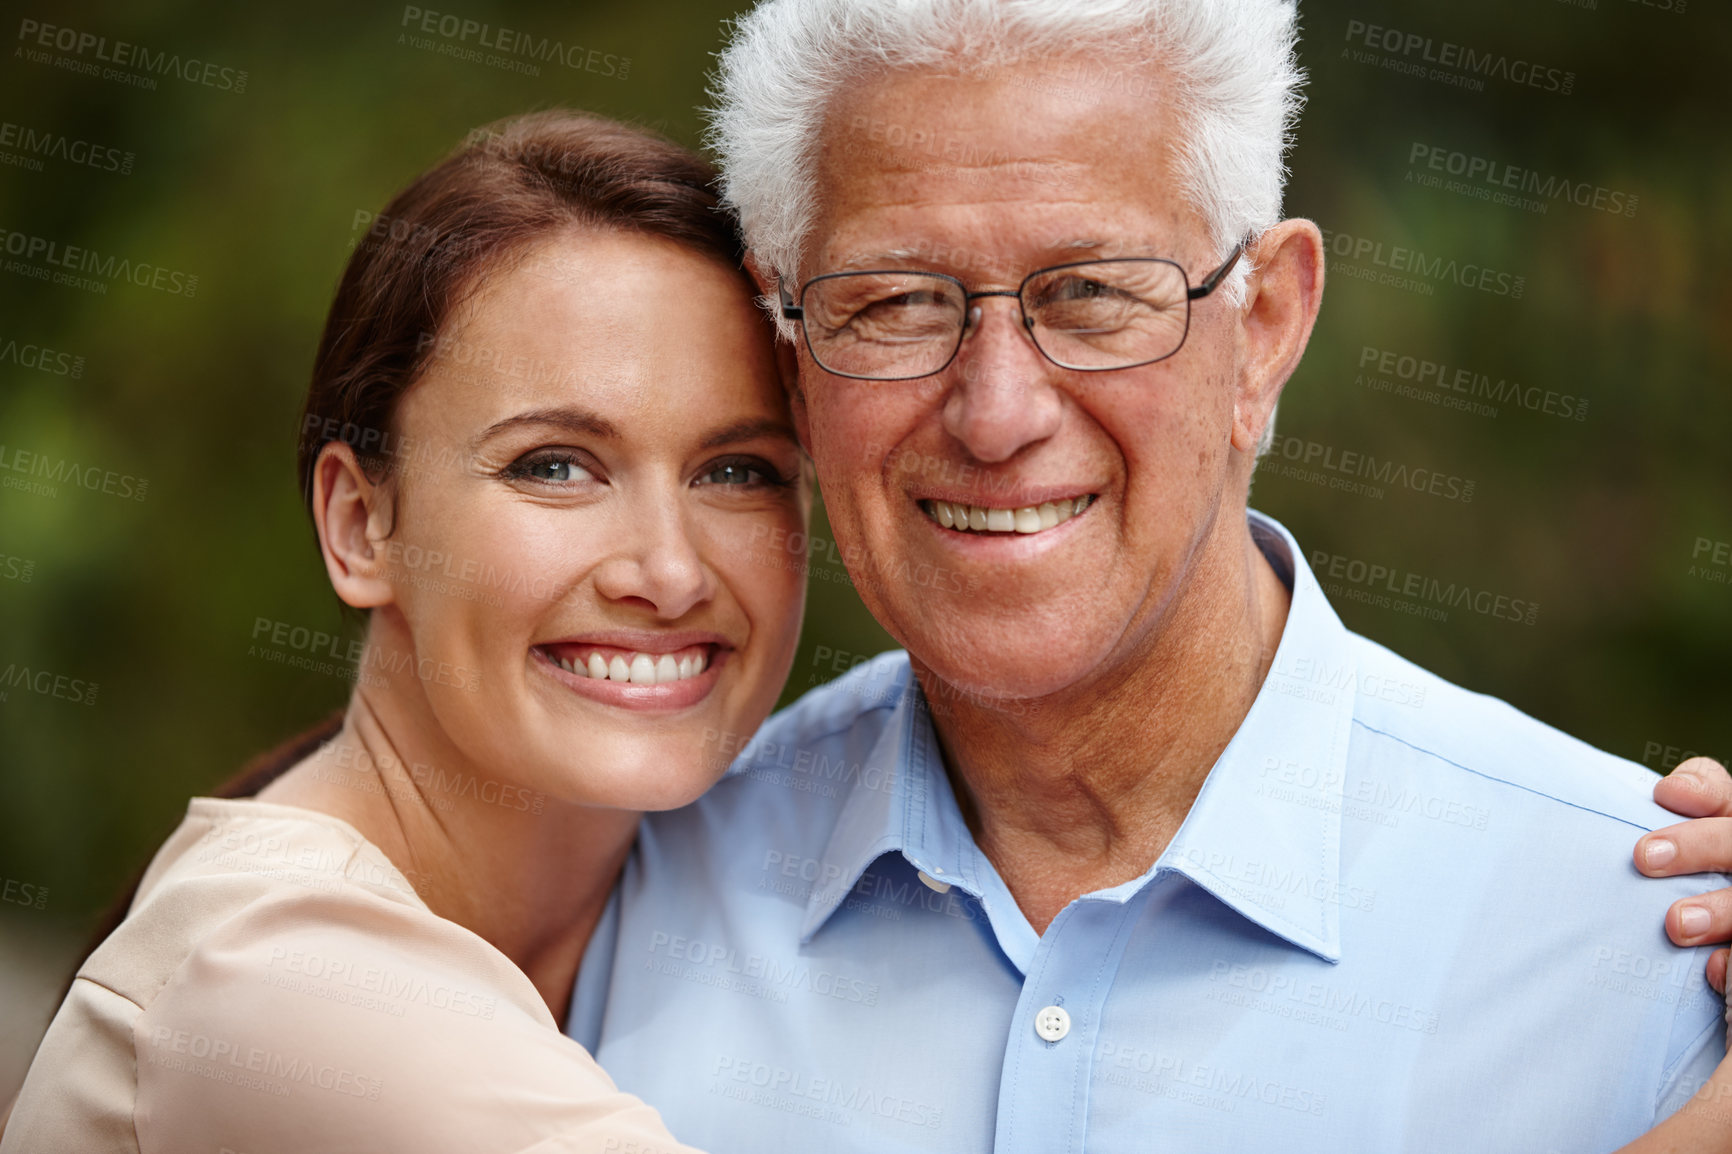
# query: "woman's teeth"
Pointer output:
{"type": "Point", "coordinates": [637, 668]}
{"type": "Point", "coordinates": [1028, 519]}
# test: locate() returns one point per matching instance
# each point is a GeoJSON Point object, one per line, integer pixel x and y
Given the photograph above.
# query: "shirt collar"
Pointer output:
{"type": "Point", "coordinates": [901, 800]}
{"type": "Point", "coordinates": [1263, 835]}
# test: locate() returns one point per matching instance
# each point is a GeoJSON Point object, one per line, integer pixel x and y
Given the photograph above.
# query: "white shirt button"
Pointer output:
{"type": "Point", "coordinates": [1052, 1023]}
{"type": "Point", "coordinates": [933, 883]}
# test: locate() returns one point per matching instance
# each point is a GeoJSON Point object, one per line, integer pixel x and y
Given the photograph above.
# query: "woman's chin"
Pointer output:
{"type": "Point", "coordinates": [632, 771]}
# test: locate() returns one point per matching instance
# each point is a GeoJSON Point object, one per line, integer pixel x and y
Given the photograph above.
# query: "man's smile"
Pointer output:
{"type": "Point", "coordinates": [1025, 519]}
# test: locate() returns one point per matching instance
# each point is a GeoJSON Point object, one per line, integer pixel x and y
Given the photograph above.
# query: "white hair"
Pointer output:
{"type": "Point", "coordinates": [1236, 84]}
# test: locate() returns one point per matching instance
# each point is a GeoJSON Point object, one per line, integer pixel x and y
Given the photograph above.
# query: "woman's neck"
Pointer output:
{"type": "Point", "coordinates": [529, 874]}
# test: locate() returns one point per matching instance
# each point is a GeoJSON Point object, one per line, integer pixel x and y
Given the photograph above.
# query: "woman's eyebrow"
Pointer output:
{"type": "Point", "coordinates": [747, 430]}
{"type": "Point", "coordinates": [569, 419]}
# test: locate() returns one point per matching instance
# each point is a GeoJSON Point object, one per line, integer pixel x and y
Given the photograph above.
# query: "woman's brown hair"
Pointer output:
{"type": "Point", "coordinates": [509, 185]}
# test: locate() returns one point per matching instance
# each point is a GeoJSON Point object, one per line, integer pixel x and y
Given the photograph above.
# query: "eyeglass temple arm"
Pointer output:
{"type": "Point", "coordinates": [1215, 278]}
{"type": "Point", "coordinates": [790, 310]}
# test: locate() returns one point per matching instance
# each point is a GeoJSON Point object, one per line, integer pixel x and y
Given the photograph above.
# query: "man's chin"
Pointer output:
{"type": "Point", "coordinates": [1001, 673]}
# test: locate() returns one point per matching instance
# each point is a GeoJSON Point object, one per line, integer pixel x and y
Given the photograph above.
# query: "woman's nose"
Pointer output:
{"type": "Point", "coordinates": [656, 563]}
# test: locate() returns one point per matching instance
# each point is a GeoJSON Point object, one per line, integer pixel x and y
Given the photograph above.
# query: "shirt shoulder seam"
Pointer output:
{"type": "Point", "coordinates": [106, 988]}
{"type": "Point", "coordinates": [1432, 753]}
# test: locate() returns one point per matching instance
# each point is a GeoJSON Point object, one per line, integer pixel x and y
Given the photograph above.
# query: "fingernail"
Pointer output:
{"type": "Point", "coordinates": [1694, 920]}
{"type": "Point", "coordinates": [1659, 851]}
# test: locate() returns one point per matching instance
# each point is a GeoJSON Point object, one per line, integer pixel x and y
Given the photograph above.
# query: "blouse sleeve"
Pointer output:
{"type": "Point", "coordinates": [339, 1021]}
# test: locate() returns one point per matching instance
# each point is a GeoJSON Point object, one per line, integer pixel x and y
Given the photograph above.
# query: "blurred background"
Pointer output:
{"type": "Point", "coordinates": [1506, 451]}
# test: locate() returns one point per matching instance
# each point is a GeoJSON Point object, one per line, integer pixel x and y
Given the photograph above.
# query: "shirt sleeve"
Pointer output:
{"type": "Point", "coordinates": [1691, 1071]}
{"type": "Point", "coordinates": [346, 1021]}
{"type": "Point", "coordinates": [78, 1092]}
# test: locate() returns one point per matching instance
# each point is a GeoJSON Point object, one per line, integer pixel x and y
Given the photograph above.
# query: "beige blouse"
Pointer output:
{"type": "Point", "coordinates": [277, 986]}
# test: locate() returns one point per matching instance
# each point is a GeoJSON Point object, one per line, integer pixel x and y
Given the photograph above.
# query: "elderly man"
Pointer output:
{"type": "Point", "coordinates": [1137, 847]}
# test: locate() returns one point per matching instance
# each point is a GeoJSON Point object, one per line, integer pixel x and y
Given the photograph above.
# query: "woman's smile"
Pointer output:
{"type": "Point", "coordinates": [650, 673]}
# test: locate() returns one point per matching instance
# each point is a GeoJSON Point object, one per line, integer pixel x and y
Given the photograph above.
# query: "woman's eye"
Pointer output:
{"type": "Point", "coordinates": [731, 475]}
{"type": "Point", "coordinates": [750, 472]}
{"type": "Point", "coordinates": [550, 469]}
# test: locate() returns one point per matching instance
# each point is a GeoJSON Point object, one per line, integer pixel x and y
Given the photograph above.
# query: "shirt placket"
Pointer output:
{"type": "Point", "coordinates": [1043, 1098]}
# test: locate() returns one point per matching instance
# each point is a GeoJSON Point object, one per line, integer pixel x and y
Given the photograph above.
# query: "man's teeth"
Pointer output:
{"type": "Point", "coordinates": [640, 669]}
{"type": "Point", "coordinates": [1028, 519]}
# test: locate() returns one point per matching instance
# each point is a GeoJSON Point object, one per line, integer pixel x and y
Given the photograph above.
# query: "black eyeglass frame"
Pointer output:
{"type": "Point", "coordinates": [797, 311]}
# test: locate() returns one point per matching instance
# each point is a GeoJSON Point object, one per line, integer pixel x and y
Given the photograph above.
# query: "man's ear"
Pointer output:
{"type": "Point", "coordinates": [353, 516]}
{"type": "Point", "coordinates": [1282, 296]}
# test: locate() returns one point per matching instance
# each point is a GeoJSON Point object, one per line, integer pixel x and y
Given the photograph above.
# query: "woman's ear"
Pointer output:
{"type": "Point", "coordinates": [353, 516]}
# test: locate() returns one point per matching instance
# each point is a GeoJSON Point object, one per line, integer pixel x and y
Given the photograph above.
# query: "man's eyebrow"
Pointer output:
{"type": "Point", "coordinates": [920, 256]}
{"type": "Point", "coordinates": [569, 419]}
{"type": "Point", "coordinates": [749, 429]}
{"type": "Point", "coordinates": [888, 258]}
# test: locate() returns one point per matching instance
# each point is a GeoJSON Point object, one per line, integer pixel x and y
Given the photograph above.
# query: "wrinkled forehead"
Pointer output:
{"type": "Point", "coordinates": [988, 168]}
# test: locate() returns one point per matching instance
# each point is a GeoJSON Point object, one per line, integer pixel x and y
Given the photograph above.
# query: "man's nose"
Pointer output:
{"type": "Point", "coordinates": [656, 563]}
{"type": "Point", "coordinates": [1004, 394]}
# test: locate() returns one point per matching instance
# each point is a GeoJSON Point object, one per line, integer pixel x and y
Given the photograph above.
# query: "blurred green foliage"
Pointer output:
{"type": "Point", "coordinates": [258, 194]}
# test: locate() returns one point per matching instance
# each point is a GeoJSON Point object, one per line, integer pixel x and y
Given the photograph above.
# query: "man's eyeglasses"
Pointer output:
{"type": "Point", "coordinates": [1091, 316]}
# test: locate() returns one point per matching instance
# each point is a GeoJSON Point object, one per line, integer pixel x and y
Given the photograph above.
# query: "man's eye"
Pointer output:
{"type": "Point", "coordinates": [1076, 288]}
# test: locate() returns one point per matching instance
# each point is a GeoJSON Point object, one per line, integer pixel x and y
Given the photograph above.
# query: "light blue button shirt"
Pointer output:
{"type": "Point", "coordinates": [1400, 916]}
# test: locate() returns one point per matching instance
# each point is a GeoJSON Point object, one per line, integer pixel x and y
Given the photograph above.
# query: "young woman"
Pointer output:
{"type": "Point", "coordinates": [545, 447]}
{"type": "Point", "coordinates": [545, 442]}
